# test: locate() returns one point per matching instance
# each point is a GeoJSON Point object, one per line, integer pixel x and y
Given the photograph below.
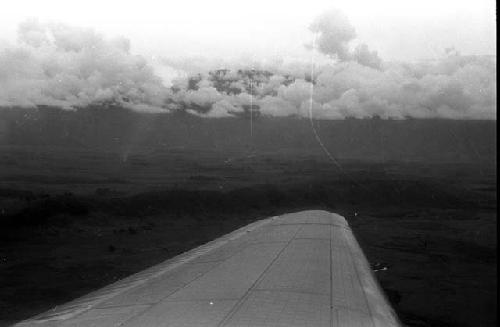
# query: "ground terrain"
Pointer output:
{"type": "Point", "coordinates": [77, 214]}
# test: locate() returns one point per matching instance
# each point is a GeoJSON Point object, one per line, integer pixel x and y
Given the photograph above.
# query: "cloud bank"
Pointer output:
{"type": "Point", "coordinates": [69, 67]}
{"type": "Point", "coordinates": [455, 87]}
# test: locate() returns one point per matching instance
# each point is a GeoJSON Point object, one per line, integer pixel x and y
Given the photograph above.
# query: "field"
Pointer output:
{"type": "Point", "coordinates": [77, 217]}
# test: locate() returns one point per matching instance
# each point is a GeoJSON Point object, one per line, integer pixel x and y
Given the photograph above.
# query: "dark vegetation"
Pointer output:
{"type": "Point", "coordinates": [89, 197]}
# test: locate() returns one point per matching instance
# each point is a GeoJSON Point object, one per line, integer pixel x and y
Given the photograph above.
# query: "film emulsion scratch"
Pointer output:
{"type": "Point", "coordinates": [248, 163]}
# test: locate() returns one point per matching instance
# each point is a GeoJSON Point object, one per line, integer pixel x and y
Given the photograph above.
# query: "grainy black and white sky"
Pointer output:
{"type": "Point", "coordinates": [373, 56]}
{"type": "Point", "coordinates": [398, 30]}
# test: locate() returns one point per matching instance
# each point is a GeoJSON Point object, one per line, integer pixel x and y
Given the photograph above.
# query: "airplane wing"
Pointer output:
{"type": "Point", "coordinates": [300, 269]}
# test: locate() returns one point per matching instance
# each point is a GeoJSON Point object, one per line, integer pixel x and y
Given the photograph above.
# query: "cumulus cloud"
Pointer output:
{"type": "Point", "coordinates": [69, 67]}
{"type": "Point", "coordinates": [334, 35]}
{"type": "Point", "coordinates": [335, 32]}
{"type": "Point", "coordinates": [295, 93]}
{"type": "Point", "coordinates": [277, 107]}
{"type": "Point", "coordinates": [203, 97]}
{"type": "Point", "coordinates": [454, 87]}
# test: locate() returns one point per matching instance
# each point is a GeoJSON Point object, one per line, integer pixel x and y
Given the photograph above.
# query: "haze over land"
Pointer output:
{"type": "Point", "coordinates": [336, 77]}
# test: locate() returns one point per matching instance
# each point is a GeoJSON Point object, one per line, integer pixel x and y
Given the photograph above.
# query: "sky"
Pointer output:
{"type": "Point", "coordinates": [393, 59]}
{"type": "Point", "coordinates": [398, 30]}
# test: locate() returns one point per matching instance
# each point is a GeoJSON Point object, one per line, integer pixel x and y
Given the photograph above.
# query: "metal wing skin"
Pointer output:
{"type": "Point", "coordinates": [299, 269]}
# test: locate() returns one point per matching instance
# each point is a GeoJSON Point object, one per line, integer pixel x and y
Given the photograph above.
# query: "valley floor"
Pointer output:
{"type": "Point", "coordinates": [72, 222]}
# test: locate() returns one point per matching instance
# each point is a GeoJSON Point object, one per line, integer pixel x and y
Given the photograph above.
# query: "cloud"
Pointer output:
{"type": "Point", "coordinates": [69, 67]}
{"type": "Point", "coordinates": [364, 56]}
{"type": "Point", "coordinates": [219, 109]}
{"type": "Point", "coordinates": [334, 35]}
{"type": "Point", "coordinates": [295, 93]}
{"type": "Point", "coordinates": [203, 97]}
{"type": "Point", "coordinates": [451, 87]}
{"type": "Point", "coordinates": [277, 107]}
